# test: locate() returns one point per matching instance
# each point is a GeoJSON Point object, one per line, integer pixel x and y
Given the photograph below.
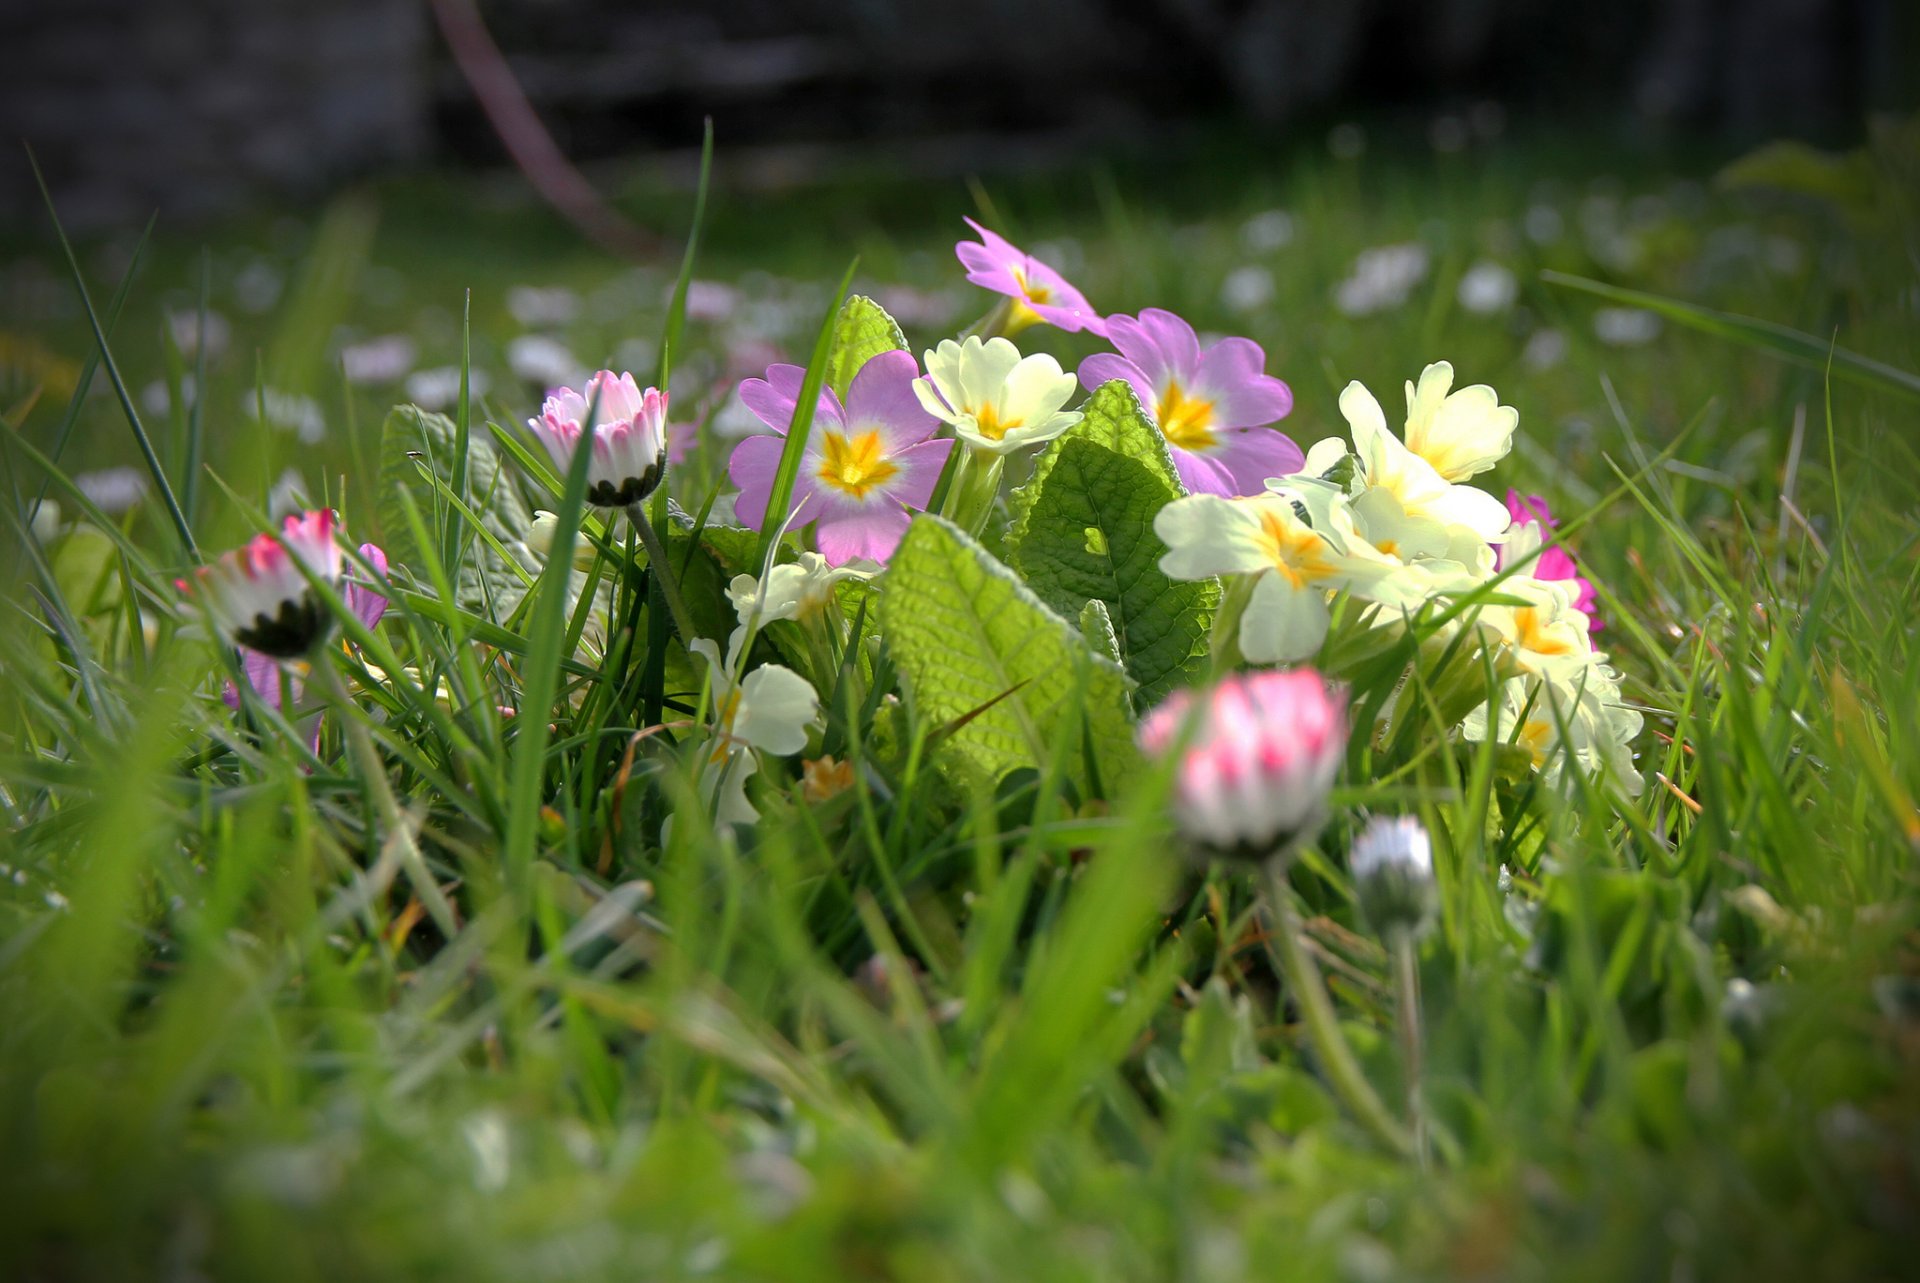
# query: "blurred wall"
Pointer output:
{"type": "Point", "coordinates": [196, 105]}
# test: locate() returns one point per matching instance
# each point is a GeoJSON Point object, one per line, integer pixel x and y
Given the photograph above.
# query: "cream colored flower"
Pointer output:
{"type": "Point", "coordinates": [996, 400]}
{"type": "Point", "coordinates": [1419, 488]}
{"type": "Point", "coordinates": [1461, 434]}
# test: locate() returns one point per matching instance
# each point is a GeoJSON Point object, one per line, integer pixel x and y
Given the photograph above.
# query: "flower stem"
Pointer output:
{"type": "Point", "coordinates": [1406, 976]}
{"type": "Point", "coordinates": [662, 572]}
{"type": "Point", "coordinates": [1309, 992]}
{"type": "Point", "coordinates": [374, 774]}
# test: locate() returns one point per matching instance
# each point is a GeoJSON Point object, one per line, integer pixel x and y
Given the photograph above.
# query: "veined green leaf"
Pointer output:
{"type": "Point", "coordinates": [863, 332]}
{"type": "Point", "coordinates": [1083, 532]}
{"type": "Point", "coordinates": [486, 582]}
{"type": "Point", "coordinates": [971, 639]}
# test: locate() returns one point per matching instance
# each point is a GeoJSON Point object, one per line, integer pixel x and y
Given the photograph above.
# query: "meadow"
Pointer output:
{"type": "Point", "coordinates": [437, 954]}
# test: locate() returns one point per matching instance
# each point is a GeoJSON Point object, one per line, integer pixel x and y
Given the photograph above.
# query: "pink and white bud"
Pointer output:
{"type": "Point", "coordinates": [628, 431]}
{"type": "Point", "coordinates": [1256, 759]}
{"type": "Point", "coordinates": [259, 597]}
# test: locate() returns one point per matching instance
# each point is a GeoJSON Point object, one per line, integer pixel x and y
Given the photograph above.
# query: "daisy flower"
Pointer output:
{"type": "Point", "coordinates": [866, 463]}
{"type": "Point", "coordinates": [1214, 405]}
{"type": "Point", "coordinates": [1038, 293]}
{"type": "Point", "coordinates": [628, 435]}
{"type": "Point", "coordinates": [258, 595]}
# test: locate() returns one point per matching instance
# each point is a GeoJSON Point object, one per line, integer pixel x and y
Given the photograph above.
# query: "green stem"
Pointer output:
{"type": "Point", "coordinates": [373, 772]}
{"type": "Point", "coordinates": [662, 572]}
{"type": "Point", "coordinates": [1309, 992]}
{"type": "Point", "coordinates": [1406, 975]}
{"type": "Point", "coordinates": [1237, 592]}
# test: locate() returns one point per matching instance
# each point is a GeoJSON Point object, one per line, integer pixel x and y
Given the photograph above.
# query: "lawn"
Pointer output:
{"type": "Point", "coordinates": [430, 988]}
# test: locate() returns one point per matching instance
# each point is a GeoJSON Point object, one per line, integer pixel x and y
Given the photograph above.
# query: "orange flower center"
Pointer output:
{"type": "Point", "coordinates": [1294, 550]}
{"type": "Point", "coordinates": [1185, 420]}
{"type": "Point", "coordinates": [1531, 632]}
{"type": "Point", "coordinates": [987, 420]}
{"type": "Point", "coordinates": [855, 467]}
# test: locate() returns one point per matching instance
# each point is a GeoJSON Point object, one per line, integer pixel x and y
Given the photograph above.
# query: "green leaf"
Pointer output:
{"type": "Point", "coordinates": [973, 642]}
{"type": "Point", "coordinates": [1097, 627]}
{"type": "Point", "coordinates": [863, 332]}
{"type": "Point", "coordinates": [1083, 532]}
{"type": "Point", "coordinates": [487, 584]}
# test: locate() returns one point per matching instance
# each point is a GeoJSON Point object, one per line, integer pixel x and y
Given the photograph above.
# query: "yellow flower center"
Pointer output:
{"type": "Point", "coordinates": [987, 421]}
{"type": "Point", "coordinates": [857, 466]}
{"type": "Point", "coordinates": [1531, 633]}
{"type": "Point", "coordinates": [726, 711]}
{"type": "Point", "coordinates": [1534, 737]}
{"type": "Point", "coordinates": [1186, 421]}
{"type": "Point", "coordinates": [1294, 550]}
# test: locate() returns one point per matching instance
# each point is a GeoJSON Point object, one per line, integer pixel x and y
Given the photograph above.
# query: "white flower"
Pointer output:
{"type": "Point", "coordinates": [1381, 279]}
{"type": "Point", "coordinates": [439, 387]}
{"type": "Point", "coordinates": [797, 590]}
{"type": "Point", "coordinates": [1246, 289]}
{"type": "Point", "coordinates": [767, 711]}
{"type": "Point", "coordinates": [1487, 288]}
{"type": "Point", "coordinates": [258, 595]}
{"type": "Point", "coordinates": [628, 436]}
{"type": "Point", "coordinates": [545, 362]}
{"type": "Point", "coordinates": [1460, 440]}
{"type": "Point", "coordinates": [996, 400]}
{"type": "Point", "coordinates": [1294, 561]}
{"type": "Point", "coordinates": [1626, 326]}
{"type": "Point", "coordinates": [1579, 719]}
{"type": "Point", "coordinates": [380, 360]}
{"type": "Point", "coordinates": [1463, 433]}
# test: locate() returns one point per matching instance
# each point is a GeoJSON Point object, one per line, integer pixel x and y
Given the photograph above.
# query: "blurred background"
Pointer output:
{"type": "Point", "coordinates": [198, 107]}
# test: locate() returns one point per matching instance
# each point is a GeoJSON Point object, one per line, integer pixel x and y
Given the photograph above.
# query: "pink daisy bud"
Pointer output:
{"type": "Point", "coordinates": [258, 596]}
{"type": "Point", "coordinates": [1256, 758]}
{"type": "Point", "coordinates": [629, 436]}
{"type": "Point", "coordinates": [1038, 292]}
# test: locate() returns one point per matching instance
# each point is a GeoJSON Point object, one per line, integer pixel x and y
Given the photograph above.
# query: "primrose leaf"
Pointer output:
{"type": "Point", "coordinates": [863, 332]}
{"type": "Point", "coordinates": [1083, 532]}
{"type": "Point", "coordinates": [986, 659]}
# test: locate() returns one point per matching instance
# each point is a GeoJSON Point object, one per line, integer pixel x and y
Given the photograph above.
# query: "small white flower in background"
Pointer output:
{"type": "Point", "coordinates": [1381, 278]}
{"type": "Point", "coordinates": [1545, 349]}
{"type": "Point", "coordinates": [1246, 289]}
{"type": "Point", "coordinates": [1487, 288]}
{"type": "Point", "coordinates": [439, 387]}
{"type": "Point", "coordinates": [113, 490]}
{"type": "Point", "coordinates": [288, 495]}
{"type": "Point", "coordinates": [535, 306]}
{"type": "Point", "coordinates": [797, 590]}
{"type": "Point", "coordinates": [257, 287]}
{"type": "Point", "coordinates": [1267, 231]}
{"type": "Point", "coordinates": [543, 361]}
{"type": "Point", "coordinates": [628, 436]}
{"type": "Point", "coordinates": [185, 329]}
{"type": "Point", "coordinates": [710, 301]}
{"type": "Point", "coordinates": [1392, 865]}
{"type": "Point", "coordinates": [1257, 756]}
{"type": "Point", "coordinates": [912, 307]}
{"type": "Point", "coordinates": [1462, 439]}
{"type": "Point", "coordinates": [1625, 326]}
{"type": "Point", "coordinates": [1346, 141]}
{"type": "Point", "coordinates": [1544, 224]}
{"type": "Point", "coordinates": [767, 711]}
{"type": "Point", "coordinates": [1296, 542]}
{"type": "Point", "coordinates": [45, 522]}
{"type": "Point", "coordinates": [288, 412]}
{"type": "Point", "coordinates": [995, 399]}
{"type": "Point", "coordinates": [385, 359]}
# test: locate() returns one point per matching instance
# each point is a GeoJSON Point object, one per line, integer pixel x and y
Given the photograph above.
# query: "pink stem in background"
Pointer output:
{"type": "Point", "coordinates": [528, 140]}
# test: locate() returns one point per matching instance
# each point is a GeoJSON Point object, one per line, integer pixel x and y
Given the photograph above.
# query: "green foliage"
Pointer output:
{"type": "Point", "coordinates": [416, 456]}
{"type": "Point", "coordinates": [1083, 532]}
{"type": "Point", "coordinates": [862, 332]}
{"type": "Point", "coordinates": [974, 643]}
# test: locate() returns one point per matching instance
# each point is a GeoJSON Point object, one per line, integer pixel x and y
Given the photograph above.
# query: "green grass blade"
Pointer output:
{"type": "Point", "coordinates": [802, 426]}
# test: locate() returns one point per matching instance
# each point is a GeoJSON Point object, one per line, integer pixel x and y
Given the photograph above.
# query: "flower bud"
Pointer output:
{"type": "Point", "coordinates": [1256, 758]}
{"type": "Point", "coordinates": [1392, 864]}
{"type": "Point", "coordinates": [259, 596]}
{"type": "Point", "coordinates": [628, 436]}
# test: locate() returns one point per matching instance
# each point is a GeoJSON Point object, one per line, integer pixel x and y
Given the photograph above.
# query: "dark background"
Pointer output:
{"type": "Point", "coordinates": [200, 107]}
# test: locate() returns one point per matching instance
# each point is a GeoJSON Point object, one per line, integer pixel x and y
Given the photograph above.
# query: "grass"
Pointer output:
{"type": "Point", "coordinates": [924, 1031]}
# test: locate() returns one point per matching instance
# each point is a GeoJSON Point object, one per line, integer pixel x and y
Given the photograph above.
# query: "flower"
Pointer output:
{"type": "Point", "coordinates": [1531, 520]}
{"type": "Point", "coordinates": [1392, 865]}
{"type": "Point", "coordinates": [1381, 279]}
{"type": "Point", "coordinates": [262, 670]}
{"type": "Point", "coordinates": [258, 595]}
{"type": "Point", "coordinates": [1463, 433]}
{"type": "Point", "coordinates": [1296, 541]}
{"type": "Point", "coordinates": [1214, 405]}
{"type": "Point", "coordinates": [1411, 476]}
{"type": "Point", "coordinates": [1487, 288]}
{"type": "Point", "coordinates": [628, 432]}
{"type": "Point", "coordinates": [864, 465]}
{"type": "Point", "coordinates": [797, 590]}
{"type": "Point", "coordinates": [1038, 292]}
{"type": "Point", "coordinates": [996, 400]}
{"type": "Point", "coordinates": [767, 711]}
{"type": "Point", "coordinates": [1577, 717]}
{"type": "Point", "coordinates": [1256, 758]}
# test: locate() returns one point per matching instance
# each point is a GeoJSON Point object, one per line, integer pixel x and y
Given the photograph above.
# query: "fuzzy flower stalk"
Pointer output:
{"type": "Point", "coordinates": [1392, 866]}
{"type": "Point", "coordinates": [1253, 760]}
{"type": "Point", "coordinates": [625, 428]}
